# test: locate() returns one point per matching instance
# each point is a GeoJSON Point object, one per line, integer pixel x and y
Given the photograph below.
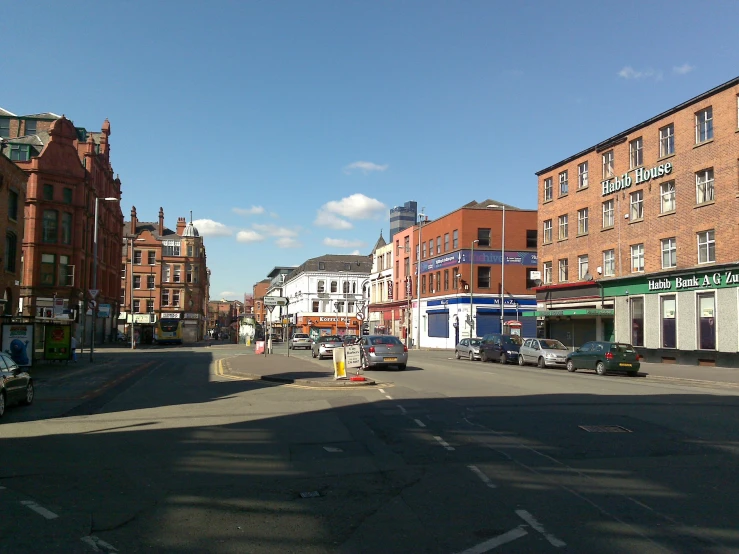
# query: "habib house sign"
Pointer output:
{"type": "Point", "coordinates": [641, 175]}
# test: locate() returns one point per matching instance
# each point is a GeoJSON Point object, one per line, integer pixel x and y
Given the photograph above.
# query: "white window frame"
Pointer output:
{"type": "Point", "coordinates": [609, 262]}
{"type": "Point", "coordinates": [636, 153]}
{"type": "Point", "coordinates": [165, 297]}
{"type": "Point", "coordinates": [704, 125]}
{"type": "Point", "coordinates": [637, 258]}
{"type": "Point", "coordinates": [608, 171]}
{"type": "Point", "coordinates": [669, 248]}
{"type": "Point", "coordinates": [547, 270]}
{"type": "Point", "coordinates": [704, 186]}
{"type": "Point", "coordinates": [176, 298]}
{"type": "Point", "coordinates": [137, 281]}
{"type": "Point", "coordinates": [667, 198]}
{"type": "Point", "coordinates": [609, 207]}
{"type": "Point", "coordinates": [636, 205]}
{"type": "Point", "coordinates": [563, 269]}
{"type": "Point", "coordinates": [136, 305]}
{"type": "Point", "coordinates": [547, 231]}
{"type": "Point", "coordinates": [582, 221]}
{"type": "Point", "coordinates": [667, 140]}
{"type": "Point", "coordinates": [564, 224]}
{"type": "Point", "coordinates": [564, 183]}
{"type": "Point", "coordinates": [582, 176]}
{"type": "Point", "coordinates": [582, 266]}
{"type": "Point", "coordinates": [707, 239]}
{"type": "Point", "coordinates": [548, 189]}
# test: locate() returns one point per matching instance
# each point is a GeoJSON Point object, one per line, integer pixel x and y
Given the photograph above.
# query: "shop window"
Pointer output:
{"type": "Point", "coordinates": [706, 321]}
{"type": "Point", "coordinates": [669, 328]}
{"type": "Point", "coordinates": [637, 321]}
{"type": "Point", "coordinates": [667, 141]}
{"type": "Point", "coordinates": [667, 197]}
{"type": "Point", "coordinates": [564, 186]}
{"type": "Point", "coordinates": [582, 175]}
{"type": "Point", "coordinates": [438, 324]}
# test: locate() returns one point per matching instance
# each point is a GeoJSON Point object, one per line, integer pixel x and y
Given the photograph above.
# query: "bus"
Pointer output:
{"type": "Point", "coordinates": [168, 331]}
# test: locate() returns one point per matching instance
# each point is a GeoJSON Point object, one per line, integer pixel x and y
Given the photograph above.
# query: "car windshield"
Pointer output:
{"type": "Point", "coordinates": [329, 338]}
{"type": "Point", "coordinates": [300, 336]}
{"type": "Point", "coordinates": [385, 340]}
{"type": "Point", "coordinates": [622, 347]}
{"type": "Point", "coordinates": [513, 340]}
{"type": "Point", "coordinates": [552, 345]}
{"type": "Point", "coordinates": [475, 342]}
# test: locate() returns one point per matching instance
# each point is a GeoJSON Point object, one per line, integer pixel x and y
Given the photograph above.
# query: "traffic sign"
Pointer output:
{"type": "Point", "coordinates": [360, 316]}
{"type": "Point", "coordinates": [94, 292]}
{"type": "Point", "coordinates": [275, 301]}
{"type": "Point", "coordinates": [92, 304]}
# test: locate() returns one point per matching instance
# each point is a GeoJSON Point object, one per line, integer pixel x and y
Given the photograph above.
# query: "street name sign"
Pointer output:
{"type": "Point", "coordinates": [275, 301]}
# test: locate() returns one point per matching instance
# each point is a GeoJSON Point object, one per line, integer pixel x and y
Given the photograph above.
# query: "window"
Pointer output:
{"type": "Point", "coordinates": [668, 312]}
{"type": "Point", "coordinates": [177, 274]}
{"type": "Point", "coordinates": [704, 186]}
{"type": "Point", "coordinates": [455, 279]}
{"type": "Point", "coordinates": [609, 263]}
{"type": "Point", "coordinates": [171, 250]}
{"type": "Point", "coordinates": [455, 238]}
{"type": "Point", "coordinates": [334, 286]}
{"type": "Point", "coordinates": [423, 253]}
{"type": "Point", "coordinates": [137, 281]}
{"type": "Point", "coordinates": [483, 277]}
{"type": "Point", "coordinates": [637, 258]}
{"type": "Point", "coordinates": [531, 238]}
{"type": "Point", "coordinates": [667, 141]}
{"type": "Point", "coordinates": [438, 245]}
{"type": "Point", "coordinates": [321, 286]}
{"type": "Point", "coordinates": [13, 205]}
{"type": "Point", "coordinates": [547, 189]}
{"type": "Point", "coordinates": [483, 235]}
{"type": "Point", "coordinates": [167, 273]}
{"type": "Point", "coordinates": [706, 321]}
{"type": "Point", "coordinates": [667, 197]}
{"type": "Point", "coordinates": [431, 247]}
{"type": "Point", "coordinates": [563, 183]}
{"type": "Point", "coordinates": [431, 283]}
{"type": "Point", "coordinates": [608, 164]}
{"type": "Point", "coordinates": [446, 242]}
{"type": "Point", "coordinates": [48, 264]}
{"type": "Point", "coordinates": [608, 214]}
{"type": "Point", "coordinates": [48, 193]}
{"type": "Point", "coordinates": [5, 127]}
{"type": "Point", "coordinates": [704, 125]}
{"type": "Point", "coordinates": [30, 126]}
{"type": "Point", "coordinates": [706, 247]}
{"type": "Point", "coordinates": [446, 279]}
{"type": "Point", "coordinates": [150, 281]}
{"type": "Point", "coordinates": [637, 321]}
{"type": "Point", "coordinates": [315, 306]}
{"type": "Point", "coordinates": [582, 175]}
{"type": "Point", "coordinates": [563, 223]}
{"type": "Point", "coordinates": [176, 298]}
{"type": "Point", "coordinates": [345, 287]}
{"type": "Point", "coordinates": [151, 256]}
{"type": "Point", "coordinates": [20, 153]}
{"type": "Point", "coordinates": [66, 228]}
{"type": "Point", "coordinates": [150, 306]}
{"type": "Point", "coordinates": [636, 200]}
{"type": "Point", "coordinates": [582, 267]}
{"type": "Point", "coordinates": [530, 281]}
{"type": "Point", "coordinates": [563, 270]}
{"type": "Point", "coordinates": [189, 250]}
{"type": "Point", "coordinates": [350, 307]}
{"type": "Point", "coordinates": [11, 247]}
{"type": "Point", "coordinates": [438, 281]}
{"type": "Point", "coordinates": [636, 153]}
{"type": "Point", "coordinates": [165, 297]}
{"type": "Point", "coordinates": [547, 231]}
{"type": "Point", "coordinates": [49, 226]}
{"type": "Point", "coordinates": [407, 245]}
{"type": "Point", "coordinates": [547, 273]}
{"type": "Point", "coordinates": [137, 257]}
{"type": "Point", "coordinates": [348, 267]}
{"type": "Point", "coordinates": [423, 284]}
{"type": "Point", "coordinates": [582, 221]}
{"type": "Point", "coordinates": [67, 195]}
{"type": "Point", "coordinates": [136, 306]}
{"type": "Point", "coordinates": [669, 253]}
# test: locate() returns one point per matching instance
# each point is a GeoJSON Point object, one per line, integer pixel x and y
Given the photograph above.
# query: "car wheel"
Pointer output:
{"type": "Point", "coordinates": [2, 403]}
{"type": "Point", "coordinates": [483, 356]}
{"type": "Point", "coordinates": [521, 362]}
{"type": "Point", "coordinates": [571, 367]}
{"type": "Point", "coordinates": [401, 367]}
{"type": "Point", "coordinates": [313, 353]}
{"type": "Point", "coordinates": [540, 362]}
{"type": "Point", "coordinates": [503, 358]}
{"type": "Point", "coordinates": [600, 369]}
{"type": "Point", "coordinates": [28, 400]}
{"type": "Point", "coordinates": [456, 354]}
{"type": "Point", "coordinates": [471, 356]}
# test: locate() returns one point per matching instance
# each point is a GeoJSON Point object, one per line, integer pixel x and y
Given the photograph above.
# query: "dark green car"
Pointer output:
{"type": "Point", "coordinates": [603, 356]}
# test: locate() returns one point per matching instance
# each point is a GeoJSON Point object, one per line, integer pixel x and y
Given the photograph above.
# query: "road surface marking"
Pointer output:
{"type": "Point", "coordinates": [420, 423]}
{"type": "Point", "coordinates": [443, 443]}
{"type": "Point", "coordinates": [48, 514]}
{"type": "Point", "coordinates": [381, 390]}
{"type": "Point", "coordinates": [531, 520]}
{"type": "Point", "coordinates": [402, 409]}
{"type": "Point", "coordinates": [99, 545]}
{"type": "Point", "coordinates": [388, 397]}
{"type": "Point", "coordinates": [484, 478]}
{"type": "Point", "coordinates": [495, 542]}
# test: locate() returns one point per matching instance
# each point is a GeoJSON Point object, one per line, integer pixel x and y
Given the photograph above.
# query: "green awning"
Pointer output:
{"type": "Point", "coordinates": [555, 313]}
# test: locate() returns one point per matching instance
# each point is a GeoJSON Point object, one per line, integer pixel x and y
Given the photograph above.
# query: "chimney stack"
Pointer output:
{"type": "Point", "coordinates": [134, 220]}
{"type": "Point", "coordinates": [161, 222]}
{"type": "Point", "coordinates": [181, 224]}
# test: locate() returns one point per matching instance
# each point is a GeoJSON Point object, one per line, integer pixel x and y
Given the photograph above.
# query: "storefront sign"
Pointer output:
{"type": "Point", "coordinates": [708, 280]}
{"type": "Point", "coordinates": [484, 257]}
{"type": "Point", "coordinates": [328, 319]}
{"type": "Point", "coordinates": [640, 176]}
{"type": "Point", "coordinates": [580, 311]}
{"type": "Point", "coordinates": [170, 315]}
{"type": "Point", "coordinates": [190, 315]}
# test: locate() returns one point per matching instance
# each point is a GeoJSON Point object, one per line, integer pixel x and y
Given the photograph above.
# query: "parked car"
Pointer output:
{"type": "Point", "coordinates": [383, 351]}
{"type": "Point", "coordinates": [468, 348]}
{"type": "Point", "coordinates": [543, 353]}
{"type": "Point", "coordinates": [16, 385]}
{"type": "Point", "coordinates": [276, 337]}
{"type": "Point", "coordinates": [497, 347]}
{"type": "Point", "coordinates": [299, 340]}
{"type": "Point", "coordinates": [350, 339]}
{"type": "Point", "coordinates": [603, 356]}
{"type": "Point", "coordinates": [324, 346]}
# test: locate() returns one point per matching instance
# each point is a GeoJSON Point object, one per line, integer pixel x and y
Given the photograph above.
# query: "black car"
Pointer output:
{"type": "Point", "coordinates": [497, 347]}
{"type": "Point", "coordinates": [16, 385]}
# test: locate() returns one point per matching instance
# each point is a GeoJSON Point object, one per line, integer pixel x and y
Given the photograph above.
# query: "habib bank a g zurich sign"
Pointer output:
{"type": "Point", "coordinates": [640, 175]}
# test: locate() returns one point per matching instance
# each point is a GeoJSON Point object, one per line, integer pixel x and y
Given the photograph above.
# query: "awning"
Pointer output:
{"type": "Point", "coordinates": [555, 313]}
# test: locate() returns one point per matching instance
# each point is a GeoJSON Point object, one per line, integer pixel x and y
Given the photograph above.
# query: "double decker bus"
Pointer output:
{"type": "Point", "coordinates": [168, 331]}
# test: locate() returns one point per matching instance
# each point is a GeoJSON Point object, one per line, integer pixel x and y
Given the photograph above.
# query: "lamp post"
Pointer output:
{"type": "Point", "coordinates": [418, 281]}
{"type": "Point", "coordinates": [472, 279]}
{"type": "Point", "coordinates": [502, 265]}
{"type": "Point", "coordinates": [95, 271]}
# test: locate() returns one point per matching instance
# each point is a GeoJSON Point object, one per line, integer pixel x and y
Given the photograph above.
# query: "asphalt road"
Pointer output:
{"type": "Point", "coordinates": [167, 452]}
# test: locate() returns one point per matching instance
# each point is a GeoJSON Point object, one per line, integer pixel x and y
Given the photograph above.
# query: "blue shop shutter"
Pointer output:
{"type": "Point", "coordinates": [439, 323]}
{"type": "Point", "coordinates": [487, 323]}
{"type": "Point", "coordinates": [528, 327]}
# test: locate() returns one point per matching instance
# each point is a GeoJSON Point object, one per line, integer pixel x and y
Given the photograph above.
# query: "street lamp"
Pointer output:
{"type": "Point", "coordinates": [95, 271]}
{"type": "Point", "coordinates": [472, 280]}
{"type": "Point", "coordinates": [418, 280]}
{"type": "Point", "coordinates": [502, 263]}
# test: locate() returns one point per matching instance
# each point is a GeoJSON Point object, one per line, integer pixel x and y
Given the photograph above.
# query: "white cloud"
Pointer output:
{"type": "Point", "coordinates": [364, 167]}
{"type": "Point", "coordinates": [274, 230]}
{"type": "Point", "coordinates": [254, 210]}
{"type": "Point", "coordinates": [274, 215]}
{"type": "Point", "coordinates": [355, 253]}
{"type": "Point", "coordinates": [210, 228]}
{"type": "Point", "coordinates": [356, 206]}
{"type": "Point", "coordinates": [342, 243]}
{"type": "Point", "coordinates": [629, 72]}
{"type": "Point", "coordinates": [229, 295]}
{"type": "Point", "coordinates": [683, 69]}
{"type": "Point", "coordinates": [247, 235]}
{"type": "Point", "coordinates": [326, 219]}
{"type": "Point", "coordinates": [288, 242]}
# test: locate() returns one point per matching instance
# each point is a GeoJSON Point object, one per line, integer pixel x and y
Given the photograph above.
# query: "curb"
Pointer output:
{"type": "Point", "coordinates": [310, 382]}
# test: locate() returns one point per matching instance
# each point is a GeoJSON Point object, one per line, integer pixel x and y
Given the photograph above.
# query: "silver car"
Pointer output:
{"type": "Point", "coordinates": [299, 340]}
{"type": "Point", "coordinates": [324, 346]}
{"type": "Point", "coordinates": [383, 351]}
{"type": "Point", "coordinates": [468, 348]}
{"type": "Point", "coordinates": [543, 352]}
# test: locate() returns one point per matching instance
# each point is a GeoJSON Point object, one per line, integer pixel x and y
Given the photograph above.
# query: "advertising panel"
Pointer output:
{"type": "Point", "coordinates": [57, 342]}
{"type": "Point", "coordinates": [18, 343]}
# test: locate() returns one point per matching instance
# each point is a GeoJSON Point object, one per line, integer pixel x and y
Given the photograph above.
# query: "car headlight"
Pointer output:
{"type": "Point", "coordinates": [550, 355]}
{"type": "Point", "coordinates": [512, 353]}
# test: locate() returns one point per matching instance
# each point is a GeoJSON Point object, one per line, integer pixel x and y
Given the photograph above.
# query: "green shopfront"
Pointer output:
{"type": "Point", "coordinates": [689, 317]}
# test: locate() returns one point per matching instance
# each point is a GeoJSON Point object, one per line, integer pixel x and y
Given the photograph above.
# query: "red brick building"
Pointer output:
{"type": "Point", "coordinates": [260, 290]}
{"type": "Point", "coordinates": [639, 235]}
{"type": "Point", "coordinates": [12, 198]}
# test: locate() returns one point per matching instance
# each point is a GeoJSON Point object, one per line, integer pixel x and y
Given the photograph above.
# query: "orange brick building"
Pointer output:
{"type": "Point", "coordinates": [12, 198]}
{"type": "Point", "coordinates": [638, 235]}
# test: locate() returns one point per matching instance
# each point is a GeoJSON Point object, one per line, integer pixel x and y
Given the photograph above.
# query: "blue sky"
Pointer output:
{"type": "Point", "coordinates": [290, 128]}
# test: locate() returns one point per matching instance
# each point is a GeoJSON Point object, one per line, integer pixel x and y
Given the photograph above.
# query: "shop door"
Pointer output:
{"type": "Point", "coordinates": [189, 333]}
{"type": "Point", "coordinates": [608, 330]}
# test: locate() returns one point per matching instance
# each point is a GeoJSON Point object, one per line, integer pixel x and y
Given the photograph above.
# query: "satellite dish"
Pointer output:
{"type": "Point", "coordinates": [588, 277]}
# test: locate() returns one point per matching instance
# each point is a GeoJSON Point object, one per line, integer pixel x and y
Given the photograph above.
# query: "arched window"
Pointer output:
{"type": "Point", "coordinates": [354, 287]}
{"type": "Point", "coordinates": [334, 286]}
{"type": "Point", "coordinates": [346, 287]}
{"type": "Point", "coordinates": [321, 286]}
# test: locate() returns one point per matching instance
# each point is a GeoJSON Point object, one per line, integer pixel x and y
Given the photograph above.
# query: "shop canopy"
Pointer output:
{"type": "Point", "coordinates": [581, 311]}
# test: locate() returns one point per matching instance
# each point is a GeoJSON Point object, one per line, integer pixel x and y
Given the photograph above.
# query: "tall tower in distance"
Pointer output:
{"type": "Point", "coordinates": [402, 217]}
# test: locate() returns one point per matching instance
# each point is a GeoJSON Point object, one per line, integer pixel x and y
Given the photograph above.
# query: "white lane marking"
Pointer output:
{"type": "Point", "coordinates": [388, 397]}
{"type": "Point", "coordinates": [95, 542]}
{"type": "Point", "coordinates": [30, 504]}
{"type": "Point", "coordinates": [420, 423]}
{"type": "Point", "coordinates": [484, 478]}
{"type": "Point", "coordinates": [402, 409]}
{"type": "Point", "coordinates": [444, 443]}
{"type": "Point", "coordinates": [381, 390]}
{"type": "Point", "coordinates": [495, 542]}
{"type": "Point", "coordinates": [531, 520]}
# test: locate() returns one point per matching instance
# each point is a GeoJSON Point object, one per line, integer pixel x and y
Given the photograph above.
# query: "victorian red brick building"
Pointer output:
{"type": "Point", "coordinates": [12, 198]}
